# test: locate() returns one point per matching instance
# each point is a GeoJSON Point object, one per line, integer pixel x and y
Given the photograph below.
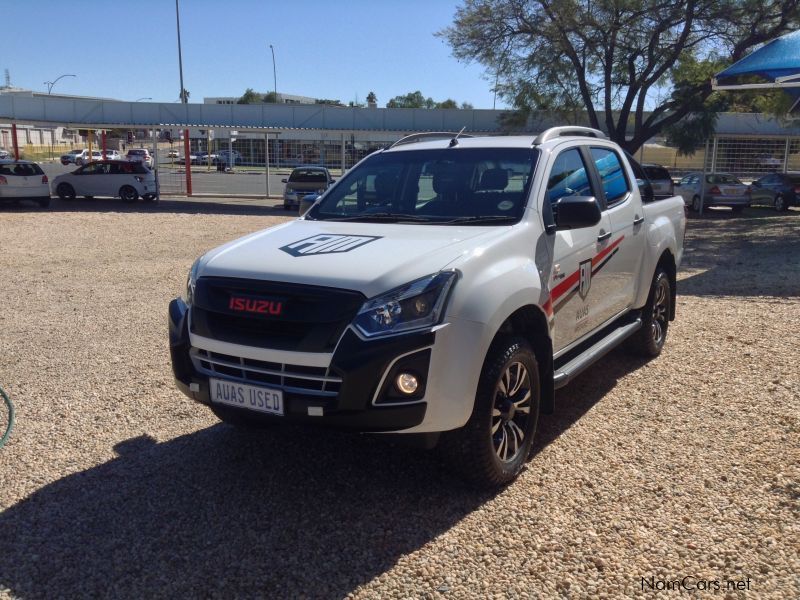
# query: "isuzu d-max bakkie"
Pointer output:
{"type": "Point", "coordinates": [442, 289]}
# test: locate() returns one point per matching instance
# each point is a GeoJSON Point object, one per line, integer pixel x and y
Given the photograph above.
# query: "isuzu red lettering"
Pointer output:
{"type": "Point", "coordinates": [441, 289]}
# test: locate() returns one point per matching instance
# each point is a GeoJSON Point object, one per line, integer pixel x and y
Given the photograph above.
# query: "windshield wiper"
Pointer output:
{"type": "Point", "coordinates": [478, 219]}
{"type": "Point", "coordinates": [380, 216]}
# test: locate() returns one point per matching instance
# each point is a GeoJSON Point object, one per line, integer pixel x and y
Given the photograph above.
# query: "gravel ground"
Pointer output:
{"type": "Point", "coordinates": [115, 485]}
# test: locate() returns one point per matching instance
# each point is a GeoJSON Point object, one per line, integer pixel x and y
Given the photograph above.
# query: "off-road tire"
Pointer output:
{"type": "Point", "coordinates": [649, 340]}
{"type": "Point", "coordinates": [472, 449]}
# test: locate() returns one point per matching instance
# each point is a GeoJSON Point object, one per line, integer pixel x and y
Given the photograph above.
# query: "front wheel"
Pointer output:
{"type": "Point", "coordinates": [780, 203]}
{"type": "Point", "coordinates": [696, 204]}
{"type": "Point", "coordinates": [128, 193]}
{"type": "Point", "coordinates": [493, 446]}
{"type": "Point", "coordinates": [65, 191]}
{"type": "Point", "coordinates": [649, 340]}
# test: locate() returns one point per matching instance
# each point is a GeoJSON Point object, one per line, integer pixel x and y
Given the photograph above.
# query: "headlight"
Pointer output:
{"type": "Point", "coordinates": [191, 280]}
{"type": "Point", "coordinates": [415, 305]}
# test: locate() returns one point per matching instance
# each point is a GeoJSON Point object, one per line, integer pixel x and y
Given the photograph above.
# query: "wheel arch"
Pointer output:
{"type": "Point", "coordinates": [530, 322]}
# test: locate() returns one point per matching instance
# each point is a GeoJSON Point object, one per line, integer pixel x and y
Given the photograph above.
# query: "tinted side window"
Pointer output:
{"type": "Point", "coordinates": [609, 166]}
{"type": "Point", "coordinates": [568, 177]}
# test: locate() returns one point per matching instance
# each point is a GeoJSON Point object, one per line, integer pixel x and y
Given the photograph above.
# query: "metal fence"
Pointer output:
{"type": "Point", "coordinates": [252, 163]}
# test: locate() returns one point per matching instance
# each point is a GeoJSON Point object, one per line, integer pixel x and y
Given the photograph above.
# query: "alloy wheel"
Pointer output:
{"type": "Point", "coordinates": [660, 310]}
{"type": "Point", "coordinates": [511, 411]}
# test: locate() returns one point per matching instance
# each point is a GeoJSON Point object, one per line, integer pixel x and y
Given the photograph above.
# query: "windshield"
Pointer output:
{"type": "Point", "coordinates": [448, 185]}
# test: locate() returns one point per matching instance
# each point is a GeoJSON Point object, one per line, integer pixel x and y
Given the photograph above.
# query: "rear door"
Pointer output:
{"type": "Point", "coordinates": [573, 293]}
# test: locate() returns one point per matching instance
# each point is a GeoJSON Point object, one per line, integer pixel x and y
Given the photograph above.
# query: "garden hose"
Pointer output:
{"type": "Point", "coordinates": [10, 425]}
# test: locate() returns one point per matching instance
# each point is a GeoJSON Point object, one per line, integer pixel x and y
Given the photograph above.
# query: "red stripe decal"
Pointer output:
{"type": "Point", "coordinates": [563, 287]}
{"type": "Point", "coordinates": [604, 252]}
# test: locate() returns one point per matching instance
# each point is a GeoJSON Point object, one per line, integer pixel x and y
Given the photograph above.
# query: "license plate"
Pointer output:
{"type": "Point", "coordinates": [241, 395]}
{"type": "Point", "coordinates": [732, 191]}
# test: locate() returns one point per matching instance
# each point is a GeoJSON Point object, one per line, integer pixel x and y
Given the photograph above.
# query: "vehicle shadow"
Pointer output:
{"type": "Point", "coordinates": [751, 254]}
{"type": "Point", "coordinates": [220, 512]}
{"type": "Point", "coordinates": [230, 206]}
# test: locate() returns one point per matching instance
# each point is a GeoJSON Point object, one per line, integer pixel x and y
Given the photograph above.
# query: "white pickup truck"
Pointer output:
{"type": "Point", "coordinates": [441, 289]}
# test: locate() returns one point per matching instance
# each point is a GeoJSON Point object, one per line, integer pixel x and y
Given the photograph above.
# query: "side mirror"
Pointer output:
{"type": "Point", "coordinates": [284, 180]}
{"type": "Point", "coordinates": [645, 190]}
{"type": "Point", "coordinates": [332, 181]}
{"type": "Point", "coordinates": [575, 212]}
{"type": "Point", "coordinates": [307, 202]}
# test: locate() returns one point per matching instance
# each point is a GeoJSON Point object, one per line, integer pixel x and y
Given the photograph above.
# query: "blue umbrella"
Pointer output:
{"type": "Point", "coordinates": [774, 65]}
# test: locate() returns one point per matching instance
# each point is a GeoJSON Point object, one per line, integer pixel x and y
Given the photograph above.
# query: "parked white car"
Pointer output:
{"type": "Point", "coordinates": [23, 180]}
{"type": "Point", "coordinates": [141, 155]}
{"type": "Point", "coordinates": [83, 157]}
{"type": "Point", "coordinates": [128, 180]}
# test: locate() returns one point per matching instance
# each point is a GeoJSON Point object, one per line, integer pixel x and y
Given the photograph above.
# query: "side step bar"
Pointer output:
{"type": "Point", "coordinates": [564, 374]}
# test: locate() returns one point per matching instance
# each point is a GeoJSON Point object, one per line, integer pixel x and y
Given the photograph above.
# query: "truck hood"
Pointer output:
{"type": "Point", "coordinates": [367, 257]}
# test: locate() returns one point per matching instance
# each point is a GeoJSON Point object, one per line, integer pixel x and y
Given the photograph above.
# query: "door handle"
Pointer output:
{"type": "Point", "coordinates": [638, 220]}
{"type": "Point", "coordinates": [603, 236]}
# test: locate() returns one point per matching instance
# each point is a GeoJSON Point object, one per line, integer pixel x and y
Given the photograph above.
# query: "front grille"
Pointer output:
{"type": "Point", "coordinates": [312, 318]}
{"type": "Point", "coordinates": [299, 379]}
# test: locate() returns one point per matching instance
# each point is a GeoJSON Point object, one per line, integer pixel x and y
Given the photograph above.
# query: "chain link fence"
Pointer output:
{"type": "Point", "coordinates": [254, 163]}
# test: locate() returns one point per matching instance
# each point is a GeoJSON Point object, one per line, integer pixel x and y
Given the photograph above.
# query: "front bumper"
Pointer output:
{"type": "Point", "coordinates": [366, 399]}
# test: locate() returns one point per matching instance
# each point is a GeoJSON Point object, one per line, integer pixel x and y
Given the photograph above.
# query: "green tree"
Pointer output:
{"type": "Point", "coordinates": [271, 98]}
{"type": "Point", "coordinates": [417, 100]}
{"type": "Point", "coordinates": [372, 98]}
{"type": "Point", "coordinates": [614, 64]}
{"type": "Point", "coordinates": [249, 97]}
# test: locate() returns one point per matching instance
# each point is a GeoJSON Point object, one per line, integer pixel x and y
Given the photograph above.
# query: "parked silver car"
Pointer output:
{"type": "Point", "coordinates": [660, 179]}
{"type": "Point", "coordinates": [304, 181]}
{"type": "Point", "coordinates": [721, 189]}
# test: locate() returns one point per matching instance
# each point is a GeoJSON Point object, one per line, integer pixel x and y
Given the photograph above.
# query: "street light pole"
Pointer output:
{"type": "Point", "coordinates": [274, 73]}
{"type": "Point", "coordinates": [184, 100]}
{"type": "Point", "coordinates": [50, 84]}
{"type": "Point", "coordinates": [180, 58]}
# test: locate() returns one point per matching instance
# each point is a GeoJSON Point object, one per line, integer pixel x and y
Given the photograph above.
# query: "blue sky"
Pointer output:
{"type": "Point", "coordinates": [324, 49]}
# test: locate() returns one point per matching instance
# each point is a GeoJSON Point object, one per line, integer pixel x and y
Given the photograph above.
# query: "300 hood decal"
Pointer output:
{"type": "Point", "coordinates": [327, 243]}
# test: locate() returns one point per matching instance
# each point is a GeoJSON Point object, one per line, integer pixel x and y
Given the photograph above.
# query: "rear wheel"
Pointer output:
{"type": "Point", "coordinates": [128, 193]}
{"type": "Point", "coordinates": [780, 203]}
{"type": "Point", "coordinates": [696, 204]}
{"type": "Point", "coordinates": [65, 191]}
{"type": "Point", "coordinates": [493, 446]}
{"type": "Point", "coordinates": [650, 338]}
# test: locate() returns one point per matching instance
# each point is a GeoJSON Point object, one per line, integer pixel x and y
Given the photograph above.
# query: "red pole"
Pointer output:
{"type": "Point", "coordinates": [104, 144]}
{"type": "Point", "coordinates": [188, 162]}
{"type": "Point", "coordinates": [14, 140]}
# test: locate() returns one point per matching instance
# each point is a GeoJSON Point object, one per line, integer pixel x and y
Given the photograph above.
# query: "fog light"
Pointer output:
{"type": "Point", "coordinates": [406, 383]}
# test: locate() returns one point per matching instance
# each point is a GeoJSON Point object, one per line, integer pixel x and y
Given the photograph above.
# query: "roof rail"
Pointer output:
{"type": "Point", "coordinates": [442, 135]}
{"type": "Point", "coordinates": [555, 132]}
